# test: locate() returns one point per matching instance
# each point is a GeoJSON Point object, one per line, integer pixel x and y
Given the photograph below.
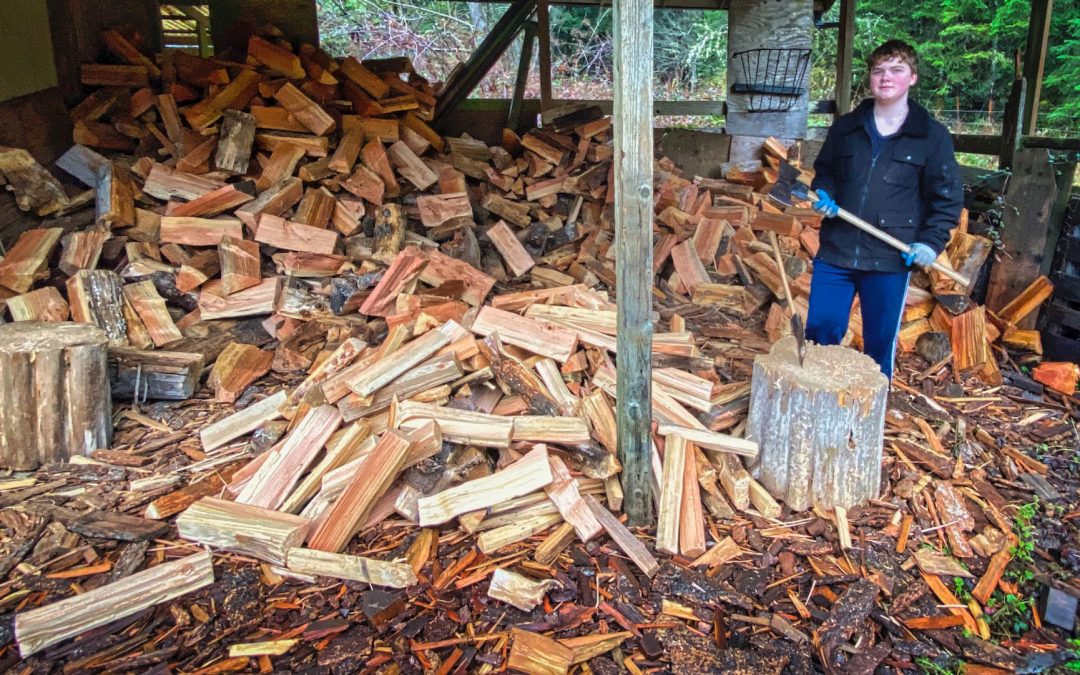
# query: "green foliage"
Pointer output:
{"type": "Point", "coordinates": [967, 53]}
{"type": "Point", "coordinates": [1009, 614]}
{"type": "Point", "coordinates": [960, 589]}
{"type": "Point", "coordinates": [1025, 533]}
{"type": "Point", "coordinates": [967, 48]}
{"type": "Point", "coordinates": [952, 666]}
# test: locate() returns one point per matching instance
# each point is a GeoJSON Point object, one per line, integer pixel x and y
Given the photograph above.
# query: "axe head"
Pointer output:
{"type": "Point", "coordinates": [787, 178]}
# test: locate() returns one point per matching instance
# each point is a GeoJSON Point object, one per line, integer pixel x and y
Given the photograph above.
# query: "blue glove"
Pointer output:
{"type": "Point", "coordinates": [826, 204]}
{"type": "Point", "coordinates": [920, 254]}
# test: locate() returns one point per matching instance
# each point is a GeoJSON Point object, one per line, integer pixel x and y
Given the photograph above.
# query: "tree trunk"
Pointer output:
{"type": "Point", "coordinates": [819, 426]}
{"type": "Point", "coordinates": [54, 393]}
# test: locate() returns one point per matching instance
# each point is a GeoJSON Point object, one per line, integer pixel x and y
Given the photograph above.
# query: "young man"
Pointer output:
{"type": "Point", "coordinates": [891, 164]}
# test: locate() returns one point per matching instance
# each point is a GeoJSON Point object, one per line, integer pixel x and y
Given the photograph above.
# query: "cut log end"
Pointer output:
{"type": "Point", "coordinates": [819, 427]}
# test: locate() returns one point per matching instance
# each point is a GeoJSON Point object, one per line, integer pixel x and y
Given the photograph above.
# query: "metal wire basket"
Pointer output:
{"type": "Point", "coordinates": [775, 77]}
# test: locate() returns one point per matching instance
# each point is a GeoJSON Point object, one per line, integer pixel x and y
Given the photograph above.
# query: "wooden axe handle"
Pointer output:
{"type": "Point", "coordinates": [892, 241]}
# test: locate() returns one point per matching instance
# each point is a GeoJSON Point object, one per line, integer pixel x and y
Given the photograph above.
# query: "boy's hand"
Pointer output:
{"type": "Point", "coordinates": [826, 204]}
{"type": "Point", "coordinates": [920, 254]}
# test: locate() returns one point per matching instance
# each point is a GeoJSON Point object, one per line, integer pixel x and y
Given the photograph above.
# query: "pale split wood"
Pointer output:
{"type": "Point", "coordinates": [529, 473]}
{"type": "Point", "coordinates": [345, 446]}
{"type": "Point", "coordinates": [389, 368]}
{"type": "Point", "coordinates": [40, 628]}
{"type": "Point", "coordinates": [275, 480]}
{"type": "Point", "coordinates": [280, 233]}
{"type": "Point", "coordinates": [519, 591]}
{"type": "Point", "coordinates": [538, 655]}
{"type": "Point", "coordinates": [726, 549]}
{"type": "Point", "coordinates": [711, 440]}
{"type": "Point", "coordinates": [691, 517]}
{"type": "Point", "coordinates": [242, 528]}
{"type": "Point", "coordinates": [458, 426]}
{"type": "Point", "coordinates": [241, 422]}
{"type": "Point", "coordinates": [510, 248]}
{"type": "Point", "coordinates": [351, 567]}
{"type": "Point", "coordinates": [669, 510]}
{"type": "Point", "coordinates": [152, 311]}
{"type": "Point", "coordinates": [624, 538]}
{"type": "Point", "coordinates": [214, 303]}
{"type": "Point", "coordinates": [563, 492]}
{"type": "Point", "coordinates": [538, 336]}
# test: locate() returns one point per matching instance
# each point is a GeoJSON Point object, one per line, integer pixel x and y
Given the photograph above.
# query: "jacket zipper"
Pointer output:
{"type": "Point", "coordinates": [862, 202]}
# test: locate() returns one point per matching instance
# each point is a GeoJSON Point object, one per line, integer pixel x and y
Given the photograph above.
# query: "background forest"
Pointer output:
{"type": "Point", "coordinates": [968, 51]}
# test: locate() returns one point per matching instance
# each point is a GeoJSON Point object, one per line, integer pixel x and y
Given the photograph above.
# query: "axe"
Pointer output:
{"type": "Point", "coordinates": [788, 186]}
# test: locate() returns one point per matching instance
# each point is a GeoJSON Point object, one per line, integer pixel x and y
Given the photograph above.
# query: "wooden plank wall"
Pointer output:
{"type": "Point", "coordinates": [755, 24]}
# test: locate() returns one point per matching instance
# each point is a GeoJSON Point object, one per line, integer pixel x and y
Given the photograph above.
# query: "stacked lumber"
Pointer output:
{"type": "Point", "coordinates": [410, 343]}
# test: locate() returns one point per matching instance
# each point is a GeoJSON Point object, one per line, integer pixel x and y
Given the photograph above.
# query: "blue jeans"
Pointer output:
{"type": "Point", "coordinates": [881, 301]}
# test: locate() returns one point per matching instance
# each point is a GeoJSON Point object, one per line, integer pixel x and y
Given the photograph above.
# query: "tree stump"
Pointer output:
{"type": "Point", "coordinates": [54, 392]}
{"type": "Point", "coordinates": [819, 427]}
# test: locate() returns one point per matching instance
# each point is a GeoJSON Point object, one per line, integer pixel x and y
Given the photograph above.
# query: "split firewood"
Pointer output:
{"type": "Point", "coordinates": [371, 479]}
{"type": "Point", "coordinates": [237, 367]}
{"type": "Point", "coordinates": [241, 422]}
{"type": "Point", "coordinates": [529, 473]}
{"type": "Point", "coordinates": [44, 304]}
{"type": "Point", "coordinates": [354, 568]}
{"type": "Point", "coordinates": [151, 310]}
{"type": "Point", "coordinates": [28, 258]}
{"type": "Point", "coordinates": [240, 528]}
{"type": "Point", "coordinates": [519, 591]}
{"type": "Point", "coordinates": [284, 466]}
{"type": "Point", "coordinates": [280, 233]}
{"type": "Point", "coordinates": [39, 628]}
{"type": "Point", "coordinates": [35, 188]}
{"type": "Point", "coordinates": [153, 375]}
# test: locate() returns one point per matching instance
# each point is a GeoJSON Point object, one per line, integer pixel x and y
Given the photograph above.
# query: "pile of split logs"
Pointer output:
{"type": "Point", "coordinates": [437, 320]}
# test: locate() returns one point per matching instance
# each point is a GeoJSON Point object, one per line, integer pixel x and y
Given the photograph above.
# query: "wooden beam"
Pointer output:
{"type": "Point", "coordinates": [543, 47]}
{"type": "Point", "coordinates": [633, 236]}
{"type": "Point", "coordinates": [1035, 61]}
{"type": "Point", "coordinates": [845, 40]}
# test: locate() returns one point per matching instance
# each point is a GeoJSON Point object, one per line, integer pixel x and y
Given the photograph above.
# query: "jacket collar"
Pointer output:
{"type": "Point", "coordinates": [916, 124]}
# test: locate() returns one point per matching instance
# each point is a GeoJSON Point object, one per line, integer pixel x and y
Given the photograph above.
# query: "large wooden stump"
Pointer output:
{"type": "Point", "coordinates": [819, 427]}
{"type": "Point", "coordinates": [54, 392]}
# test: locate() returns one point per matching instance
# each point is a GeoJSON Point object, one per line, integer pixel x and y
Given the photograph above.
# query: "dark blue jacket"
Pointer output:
{"type": "Point", "coordinates": [912, 189]}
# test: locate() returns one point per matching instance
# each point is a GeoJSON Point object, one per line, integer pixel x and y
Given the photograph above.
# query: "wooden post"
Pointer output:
{"type": "Point", "coordinates": [1010, 123]}
{"type": "Point", "coordinates": [633, 239]}
{"type": "Point", "coordinates": [1025, 236]}
{"type": "Point", "coordinates": [54, 392]}
{"type": "Point", "coordinates": [819, 426]}
{"type": "Point", "coordinates": [1035, 61]}
{"type": "Point", "coordinates": [517, 102]}
{"type": "Point", "coordinates": [845, 39]}
{"type": "Point", "coordinates": [543, 46]}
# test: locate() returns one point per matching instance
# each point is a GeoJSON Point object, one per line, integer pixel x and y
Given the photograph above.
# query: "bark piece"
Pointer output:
{"type": "Point", "coordinates": [96, 297]}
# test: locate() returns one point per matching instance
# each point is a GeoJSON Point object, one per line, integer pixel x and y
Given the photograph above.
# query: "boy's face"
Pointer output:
{"type": "Point", "coordinates": [891, 79]}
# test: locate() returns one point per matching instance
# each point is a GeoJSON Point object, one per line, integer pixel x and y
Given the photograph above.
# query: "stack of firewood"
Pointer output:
{"type": "Point", "coordinates": [443, 307]}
